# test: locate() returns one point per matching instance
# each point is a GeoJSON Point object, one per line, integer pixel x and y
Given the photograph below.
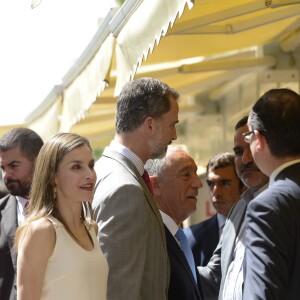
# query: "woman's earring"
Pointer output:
{"type": "Point", "coordinates": [54, 193]}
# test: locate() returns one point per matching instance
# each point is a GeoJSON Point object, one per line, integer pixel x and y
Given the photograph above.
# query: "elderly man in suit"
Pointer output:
{"type": "Point", "coordinates": [225, 189]}
{"type": "Point", "coordinates": [131, 232]}
{"type": "Point", "coordinates": [222, 278]}
{"type": "Point", "coordinates": [273, 218]}
{"type": "Point", "coordinates": [18, 151]}
{"type": "Point", "coordinates": [175, 186]}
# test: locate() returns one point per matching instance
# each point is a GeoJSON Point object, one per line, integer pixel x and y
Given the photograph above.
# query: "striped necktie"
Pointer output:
{"type": "Point", "coordinates": [26, 208]}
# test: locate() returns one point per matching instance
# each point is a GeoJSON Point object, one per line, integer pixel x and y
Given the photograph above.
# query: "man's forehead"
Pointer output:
{"type": "Point", "coordinates": [221, 173]}
{"type": "Point", "coordinates": [182, 166]}
{"type": "Point", "coordinates": [183, 160]}
{"type": "Point", "coordinates": [241, 130]}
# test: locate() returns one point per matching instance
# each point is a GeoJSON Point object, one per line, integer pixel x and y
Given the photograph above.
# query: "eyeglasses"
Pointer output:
{"type": "Point", "coordinates": [247, 136]}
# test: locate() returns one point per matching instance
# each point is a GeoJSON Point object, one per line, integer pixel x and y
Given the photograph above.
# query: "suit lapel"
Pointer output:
{"type": "Point", "coordinates": [9, 223]}
{"type": "Point", "coordinates": [133, 170]}
{"type": "Point", "coordinates": [229, 235]}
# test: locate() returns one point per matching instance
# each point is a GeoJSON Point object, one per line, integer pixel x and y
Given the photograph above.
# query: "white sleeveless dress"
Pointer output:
{"type": "Point", "coordinates": [72, 272]}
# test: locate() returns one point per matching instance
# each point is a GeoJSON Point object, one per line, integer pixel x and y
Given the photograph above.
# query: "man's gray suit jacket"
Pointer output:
{"type": "Point", "coordinates": [131, 231]}
{"type": "Point", "coordinates": [8, 256]}
{"type": "Point", "coordinates": [213, 275]}
{"type": "Point", "coordinates": [273, 240]}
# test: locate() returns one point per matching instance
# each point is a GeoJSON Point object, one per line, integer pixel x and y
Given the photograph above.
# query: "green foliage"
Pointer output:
{"type": "Point", "coordinates": [97, 153]}
{"type": "Point", "coordinates": [120, 1]}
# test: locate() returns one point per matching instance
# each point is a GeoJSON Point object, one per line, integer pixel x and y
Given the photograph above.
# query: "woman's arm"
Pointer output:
{"type": "Point", "coordinates": [35, 248]}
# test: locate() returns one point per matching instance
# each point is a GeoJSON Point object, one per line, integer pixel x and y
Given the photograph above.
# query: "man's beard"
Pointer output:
{"type": "Point", "coordinates": [159, 153]}
{"type": "Point", "coordinates": [18, 188]}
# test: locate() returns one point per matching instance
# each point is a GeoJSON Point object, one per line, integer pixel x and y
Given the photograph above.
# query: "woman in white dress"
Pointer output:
{"type": "Point", "coordinates": [58, 253]}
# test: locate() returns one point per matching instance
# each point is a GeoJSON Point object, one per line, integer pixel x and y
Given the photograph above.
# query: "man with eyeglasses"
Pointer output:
{"type": "Point", "coordinates": [222, 278]}
{"type": "Point", "coordinates": [247, 136]}
{"type": "Point", "coordinates": [273, 218]}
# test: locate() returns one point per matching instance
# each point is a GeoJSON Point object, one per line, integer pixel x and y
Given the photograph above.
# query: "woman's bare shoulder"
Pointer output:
{"type": "Point", "coordinates": [41, 231]}
{"type": "Point", "coordinates": [39, 234]}
{"type": "Point", "coordinates": [42, 226]}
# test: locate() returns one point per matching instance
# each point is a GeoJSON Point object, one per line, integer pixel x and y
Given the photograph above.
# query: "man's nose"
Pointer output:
{"type": "Point", "coordinates": [197, 182]}
{"type": "Point", "coordinates": [6, 175]}
{"type": "Point", "coordinates": [247, 156]}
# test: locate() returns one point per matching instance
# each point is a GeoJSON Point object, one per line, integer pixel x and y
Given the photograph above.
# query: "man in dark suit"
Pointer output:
{"type": "Point", "coordinates": [3, 189]}
{"type": "Point", "coordinates": [222, 278]}
{"type": "Point", "coordinates": [131, 231]}
{"type": "Point", "coordinates": [203, 238]}
{"type": "Point", "coordinates": [175, 186]}
{"type": "Point", "coordinates": [273, 218]}
{"type": "Point", "coordinates": [18, 151]}
{"type": "Point", "coordinates": [225, 190]}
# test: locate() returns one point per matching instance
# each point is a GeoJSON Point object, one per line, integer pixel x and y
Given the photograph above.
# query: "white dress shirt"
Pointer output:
{"type": "Point", "coordinates": [116, 146]}
{"type": "Point", "coordinates": [233, 285]}
{"type": "Point", "coordinates": [221, 222]}
{"type": "Point", "coordinates": [170, 224]}
{"type": "Point", "coordinates": [21, 209]}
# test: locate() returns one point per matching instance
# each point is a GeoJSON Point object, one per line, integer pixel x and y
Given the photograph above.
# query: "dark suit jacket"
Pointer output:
{"type": "Point", "coordinates": [182, 283]}
{"type": "Point", "coordinates": [8, 257]}
{"type": "Point", "coordinates": [203, 239]}
{"type": "Point", "coordinates": [273, 240]}
{"type": "Point", "coordinates": [214, 274]}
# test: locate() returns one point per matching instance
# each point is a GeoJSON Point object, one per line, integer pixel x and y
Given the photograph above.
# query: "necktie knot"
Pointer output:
{"type": "Point", "coordinates": [26, 208]}
{"type": "Point", "coordinates": [147, 181]}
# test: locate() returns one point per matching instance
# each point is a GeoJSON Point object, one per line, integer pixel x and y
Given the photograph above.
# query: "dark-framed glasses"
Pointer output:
{"type": "Point", "coordinates": [247, 136]}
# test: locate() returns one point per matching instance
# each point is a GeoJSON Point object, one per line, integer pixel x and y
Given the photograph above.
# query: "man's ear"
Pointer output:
{"type": "Point", "coordinates": [155, 185]}
{"type": "Point", "coordinates": [149, 124]}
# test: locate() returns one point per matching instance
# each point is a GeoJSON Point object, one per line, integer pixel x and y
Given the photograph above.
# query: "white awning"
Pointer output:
{"type": "Point", "coordinates": [142, 31]}
{"type": "Point", "coordinates": [88, 77]}
{"type": "Point", "coordinates": [194, 46]}
{"type": "Point", "coordinates": [35, 3]}
{"type": "Point", "coordinates": [45, 119]}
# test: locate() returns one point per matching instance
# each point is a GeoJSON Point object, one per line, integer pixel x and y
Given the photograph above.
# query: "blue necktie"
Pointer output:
{"type": "Point", "coordinates": [186, 250]}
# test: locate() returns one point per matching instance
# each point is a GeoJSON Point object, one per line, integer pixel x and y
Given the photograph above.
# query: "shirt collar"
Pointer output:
{"type": "Point", "coordinates": [116, 146]}
{"type": "Point", "coordinates": [21, 203]}
{"type": "Point", "coordinates": [261, 189]}
{"type": "Point", "coordinates": [221, 220]}
{"type": "Point", "coordinates": [169, 222]}
{"type": "Point", "coordinates": [247, 196]}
